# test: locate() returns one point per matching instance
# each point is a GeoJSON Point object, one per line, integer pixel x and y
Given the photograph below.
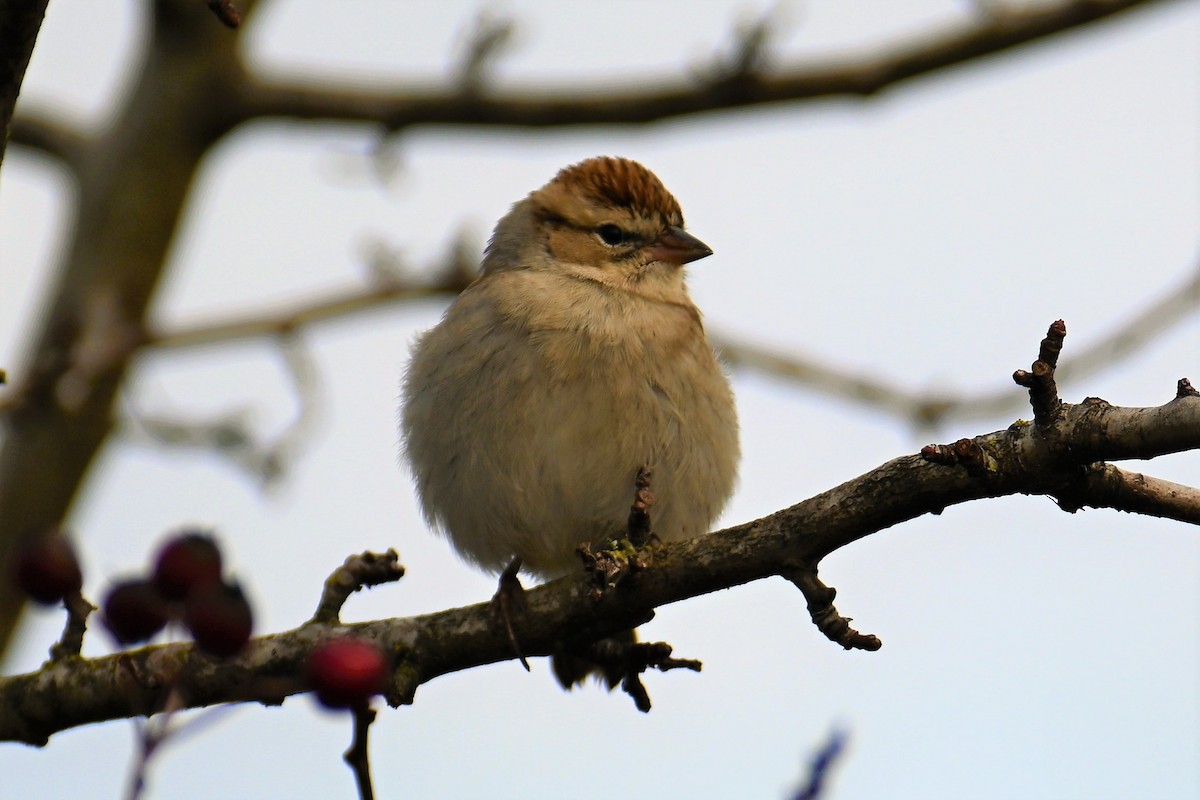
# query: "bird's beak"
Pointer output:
{"type": "Point", "coordinates": [677, 246]}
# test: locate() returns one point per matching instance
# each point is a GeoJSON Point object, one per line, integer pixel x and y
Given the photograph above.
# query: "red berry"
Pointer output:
{"type": "Point", "coordinates": [220, 618]}
{"type": "Point", "coordinates": [186, 563]}
{"type": "Point", "coordinates": [346, 672]}
{"type": "Point", "coordinates": [134, 611]}
{"type": "Point", "coordinates": [47, 569]}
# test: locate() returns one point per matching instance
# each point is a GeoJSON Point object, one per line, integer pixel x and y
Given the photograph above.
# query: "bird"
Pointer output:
{"type": "Point", "coordinates": [574, 362]}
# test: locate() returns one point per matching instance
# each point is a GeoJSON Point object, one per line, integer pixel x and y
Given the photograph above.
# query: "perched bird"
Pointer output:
{"type": "Point", "coordinates": [574, 359]}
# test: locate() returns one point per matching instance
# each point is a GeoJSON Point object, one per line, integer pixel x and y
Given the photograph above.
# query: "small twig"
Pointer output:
{"type": "Point", "coordinates": [1086, 485]}
{"type": "Point", "coordinates": [822, 763]}
{"type": "Point", "coordinates": [752, 45]}
{"type": "Point", "coordinates": [827, 619]}
{"type": "Point", "coordinates": [487, 40]}
{"type": "Point", "coordinates": [71, 641]}
{"type": "Point", "coordinates": [152, 734]}
{"type": "Point", "coordinates": [356, 572]}
{"type": "Point", "coordinates": [1043, 391]}
{"type": "Point", "coordinates": [356, 757]}
{"type": "Point", "coordinates": [451, 275]}
{"type": "Point", "coordinates": [225, 11]}
{"type": "Point", "coordinates": [231, 436]}
{"type": "Point", "coordinates": [301, 369]}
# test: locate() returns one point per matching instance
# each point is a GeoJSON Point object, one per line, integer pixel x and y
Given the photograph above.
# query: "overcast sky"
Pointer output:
{"type": "Point", "coordinates": [926, 237]}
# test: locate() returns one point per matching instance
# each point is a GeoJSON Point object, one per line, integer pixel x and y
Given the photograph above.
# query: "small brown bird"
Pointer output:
{"type": "Point", "coordinates": [575, 358]}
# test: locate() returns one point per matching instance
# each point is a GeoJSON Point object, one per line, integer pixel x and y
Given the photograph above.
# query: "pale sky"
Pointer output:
{"type": "Point", "coordinates": [925, 237]}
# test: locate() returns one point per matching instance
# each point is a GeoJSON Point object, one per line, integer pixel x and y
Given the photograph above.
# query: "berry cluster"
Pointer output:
{"type": "Point", "coordinates": [185, 585]}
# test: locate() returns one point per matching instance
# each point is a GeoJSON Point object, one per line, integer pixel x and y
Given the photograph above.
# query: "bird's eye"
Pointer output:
{"type": "Point", "coordinates": [611, 234]}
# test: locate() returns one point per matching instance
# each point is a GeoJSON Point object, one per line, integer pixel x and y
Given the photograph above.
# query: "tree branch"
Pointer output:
{"type": "Point", "coordinates": [1060, 458]}
{"type": "Point", "coordinates": [453, 276]}
{"type": "Point", "coordinates": [58, 138]}
{"type": "Point", "coordinates": [1105, 486]}
{"type": "Point", "coordinates": [860, 75]}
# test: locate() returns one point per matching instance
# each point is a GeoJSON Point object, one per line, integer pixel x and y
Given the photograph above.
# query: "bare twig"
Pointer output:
{"type": "Point", "coordinates": [453, 276]}
{"type": "Point", "coordinates": [485, 43]}
{"type": "Point", "coordinates": [356, 572]}
{"type": "Point", "coordinates": [1043, 390]}
{"type": "Point", "coordinates": [231, 436]}
{"type": "Point", "coordinates": [822, 763]}
{"type": "Point", "coordinates": [71, 641]}
{"type": "Point", "coordinates": [752, 46]}
{"type": "Point", "coordinates": [152, 734]}
{"type": "Point", "coordinates": [357, 756]}
{"type": "Point", "coordinates": [827, 619]}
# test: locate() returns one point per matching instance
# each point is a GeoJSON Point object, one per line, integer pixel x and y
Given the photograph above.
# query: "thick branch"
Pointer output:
{"type": "Point", "coordinates": [858, 76]}
{"type": "Point", "coordinates": [1056, 459]}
